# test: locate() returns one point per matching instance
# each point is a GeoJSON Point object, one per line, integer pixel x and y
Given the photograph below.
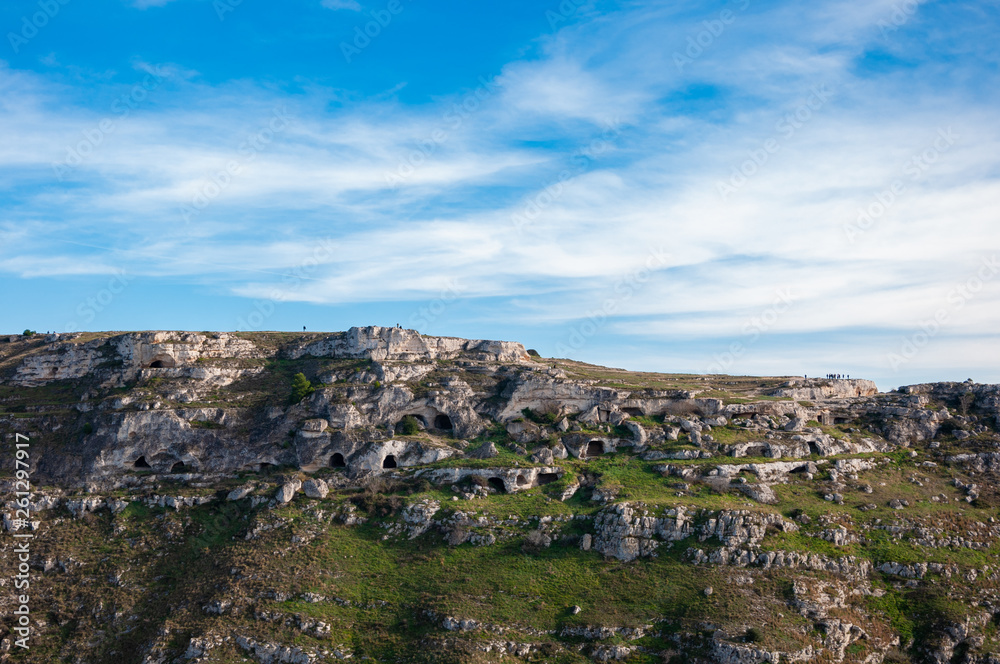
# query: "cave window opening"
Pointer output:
{"type": "Point", "coordinates": [595, 448]}
{"type": "Point", "coordinates": [442, 421]}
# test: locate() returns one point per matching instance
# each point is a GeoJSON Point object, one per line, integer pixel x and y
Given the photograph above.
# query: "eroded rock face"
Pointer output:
{"type": "Point", "coordinates": [144, 398]}
{"type": "Point", "coordinates": [626, 531]}
{"type": "Point", "coordinates": [505, 480]}
{"type": "Point", "coordinates": [390, 343]}
{"type": "Point", "coordinates": [817, 389]}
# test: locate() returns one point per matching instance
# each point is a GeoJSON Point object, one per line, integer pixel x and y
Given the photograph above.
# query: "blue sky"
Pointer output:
{"type": "Point", "coordinates": [753, 188]}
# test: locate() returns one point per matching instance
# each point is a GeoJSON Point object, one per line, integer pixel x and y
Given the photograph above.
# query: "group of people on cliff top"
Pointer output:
{"type": "Point", "coordinates": [838, 376]}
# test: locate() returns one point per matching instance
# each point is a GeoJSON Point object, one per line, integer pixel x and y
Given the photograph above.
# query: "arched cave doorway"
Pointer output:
{"type": "Point", "coordinates": [389, 461]}
{"type": "Point", "coordinates": [547, 478]}
{"type": "Point", "coordinates": [497, 484]}
{"type": "Point", "coordinates": [337, 461]}
{"type": "Point", "coordinates": [595, 448]}
{"type": "Point", "coordinates": [178, 467]}
{"type": "Point", "coordinates": [162, 362]}
{"type": "Point", "coordinates": [522, 480]}
{"type": "Point", "coordinates": [442, 421]}
{"type": "Point", "coordinates": [141, 463]}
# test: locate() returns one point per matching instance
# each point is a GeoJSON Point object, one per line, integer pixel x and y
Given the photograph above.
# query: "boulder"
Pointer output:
{"type": "Point", "coordinates": [485, 451]}
{"type": "Point", "coordinates": [542, 455]}
{"type": "Point", "coordinates": [315, 488]}
{"type": "Point", "coordinates": [287, 492]}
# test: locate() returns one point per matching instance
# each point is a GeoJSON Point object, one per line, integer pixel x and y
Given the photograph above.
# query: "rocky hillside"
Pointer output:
{"type": "Point", "coordinates": [380, 495]}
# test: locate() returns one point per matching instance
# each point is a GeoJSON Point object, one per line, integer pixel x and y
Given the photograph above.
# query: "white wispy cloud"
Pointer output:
{"type": "Point", "coordinates": [600, 144]}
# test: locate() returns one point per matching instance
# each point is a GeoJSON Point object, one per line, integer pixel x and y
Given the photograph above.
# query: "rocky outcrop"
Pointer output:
{"type": "Point", "coordinates": [818, 389]}
{"type": "Point", "coordinates": [509, 480]}
{"type": "Point", "coordinates": [393, 343]}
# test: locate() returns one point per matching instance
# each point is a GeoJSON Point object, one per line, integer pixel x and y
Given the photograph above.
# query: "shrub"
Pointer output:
{"type": "Point", "coordinates": [377, 384]}
{"type": "Point", "coordinates": [540, 418]}
{"type": "Point", "coordinates": [88, 429]}
{"type": "Point", "coordinates": [535, 542]}
{"type": "Point", "coordinates": [409, 426]}
{"type": "Point", "coordinates": [375, 499]}
{"type": "Point", "coordinates": [29, 333]}
{"type": "Point", "coordinates": [718, 484]}
{"type": "Point", "coordinates": [421, 485]}
{"type": "Point", "coordinates": [301, 388]}
{"type": "Point", "coordinates": [753, 635]}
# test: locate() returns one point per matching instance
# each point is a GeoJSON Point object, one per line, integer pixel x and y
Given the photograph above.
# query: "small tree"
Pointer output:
{"type": "Point", "coordinates": [29, 333]}
{"type": "Point", "coordinates": [301, 388]}
{"type": "Point", "coordinates": [409, 426]}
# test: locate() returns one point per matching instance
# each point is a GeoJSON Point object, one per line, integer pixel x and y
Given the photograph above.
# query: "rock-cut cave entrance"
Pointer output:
{"type": "Point", "coordinates": [595, 448]}
{"type": "Point", "coordinates": [178, 467]}
{"type": "Point", "coordinates": [141, 463]}
{"type": "Point", "coordinates": [337, 461]}
{"type": "Point", "coordinates": [547, 478]}
{"type": "Point", "coordinates": [389, 461]}
{"type": "Point", "coordinates": [442, 421]}
{"type": "Point", "coordinates": [497, 484]}
{"type": "Point", "coordinates": [162, 362]}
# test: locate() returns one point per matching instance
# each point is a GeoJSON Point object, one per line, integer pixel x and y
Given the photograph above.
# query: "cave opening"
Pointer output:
{"type": "Point", "coordinates": [547, 478]}
{"type": "Point", "coordinates": [337, 461]}
{"type": "Point", "coordinates": [442, 421]}
{"type": "Point", "coordinates": [178, 467]}
{"type": "Point", "coordinates": [595, 448]}
{"type": "Point", "coordinates": [141, 463]}
{"type": "Point", "coordinates": [497, 484]}
{"type": "Point", "coordinates": [389, 461]}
